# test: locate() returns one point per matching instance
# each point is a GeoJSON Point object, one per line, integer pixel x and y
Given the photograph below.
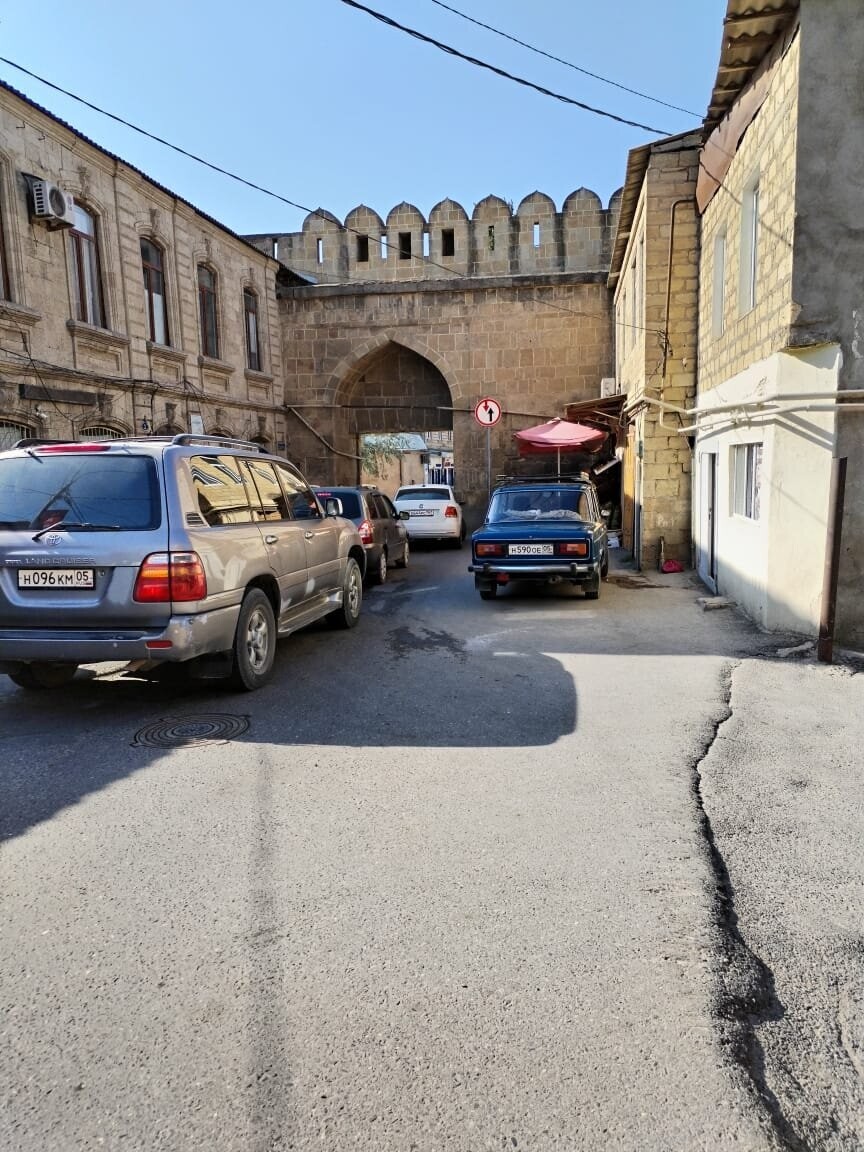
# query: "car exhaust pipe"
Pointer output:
{"type": "Point", "coordinates": [554, 580]}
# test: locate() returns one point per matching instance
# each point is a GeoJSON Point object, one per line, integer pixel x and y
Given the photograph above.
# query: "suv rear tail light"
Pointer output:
{"type": "Point", "coordinates": [167, 576]}
{"type": "Point", "coordinates": [575, 548]}
{"type": "Point", "coordinates": [451, 511]}
{"type": "Point", "coordinates": [489, 549]}
{"type": "Point", "coordinates": [366, 534]}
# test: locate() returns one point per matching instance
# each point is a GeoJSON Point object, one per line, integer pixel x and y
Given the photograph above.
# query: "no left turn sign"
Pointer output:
{"type": "Point", "coordinates": [487, 412]}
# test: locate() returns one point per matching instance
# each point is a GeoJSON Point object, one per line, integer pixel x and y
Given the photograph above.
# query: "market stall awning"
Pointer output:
{"type": "Point", "coordinates": [558, 436]}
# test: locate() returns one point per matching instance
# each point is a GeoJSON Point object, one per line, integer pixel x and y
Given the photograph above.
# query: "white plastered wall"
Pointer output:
{"type": "Point", "coordinates": [772, 567]}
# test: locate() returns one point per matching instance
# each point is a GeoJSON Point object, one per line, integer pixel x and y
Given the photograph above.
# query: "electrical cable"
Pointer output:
{"type": "Point", "coordinates": [567, 63]}
{"type": "Point", "coordinates": [278, 196]}
{"type": "Point", "coordinates": [451, 51]}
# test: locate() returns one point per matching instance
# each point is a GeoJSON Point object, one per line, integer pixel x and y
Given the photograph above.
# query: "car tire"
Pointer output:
{"type": "Point", "coordinates": [604, 566]}
{"type": "Point", "coordinates": [488, 593]}
{"type": "Point", "coordinates": [406, 549]}
{"type": "Point", "coordinates": [43, 677]}
{"type": "Point", "coordinates": [348, 612]}
{"type": "Point", "coordinates": [254, 642]}
{"type": "Point", "coordinates": [592, 588]}
{"type": "Point", "coordinates": [379, 572]}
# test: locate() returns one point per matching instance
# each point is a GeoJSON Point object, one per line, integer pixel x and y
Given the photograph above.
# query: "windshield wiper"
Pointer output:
{"type": "Point", "coordinates": [65, 525]}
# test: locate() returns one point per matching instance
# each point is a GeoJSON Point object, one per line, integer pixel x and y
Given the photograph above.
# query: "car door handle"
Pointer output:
{"type": "Point", "coordinates": [270, 539]}
{"type": "Point", "coordinates": [309, 535]}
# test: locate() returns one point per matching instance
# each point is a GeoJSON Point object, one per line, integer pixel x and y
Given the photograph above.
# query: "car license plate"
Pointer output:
{"type": "Point", "coordinates": [422, 512]}
{"type": "Point", "coordinates": [530, 549]}
{"type": "Point", "coordinates": [55, 578]}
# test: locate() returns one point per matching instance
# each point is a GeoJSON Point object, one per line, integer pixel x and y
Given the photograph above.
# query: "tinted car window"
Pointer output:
{"type": "Point", "coordinates": [379, 506]}
{"type": "Point", "coordinates": [301, 502]}
{"type": "Point", "coordinates": [510, 504]}
{"type": "Point", "coordinates": [95, 489]}
{"type": "Point", "coordinates": [350, 501]}
{"type": "Point", "coordinates": [263, 482]}
{"type": "Point", "coordinates": [222, 495]}
{"type": "Point", "coordinates": [423, 494]}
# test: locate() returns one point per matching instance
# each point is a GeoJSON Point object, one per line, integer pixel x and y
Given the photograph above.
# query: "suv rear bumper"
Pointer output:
{"type": "Point", "coordinates": [188, 636]}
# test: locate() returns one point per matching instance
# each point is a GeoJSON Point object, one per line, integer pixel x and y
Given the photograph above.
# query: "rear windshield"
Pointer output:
{"type": "Point", "coordinates": [96, 490]}
{"type": "Point", "coordinates": [350, 501]}
{"type": "Point", "coordinates": [423, 494]}
{"type": "Point", "coordinates": [511, 504]}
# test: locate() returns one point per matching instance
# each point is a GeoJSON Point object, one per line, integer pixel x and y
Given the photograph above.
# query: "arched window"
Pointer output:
{"type": "Point", "coordinates": [99, 432]}
{"type": "Point", "coordinates": [152, 261]}
{"type": "Point", "coordinates": [250, 315]}
{"type": "Point", "coordinates": [86, 269]}
{"type": "Point", "coordinates": [207, 312]}
{"type": "Point", "coordinates": [11, 432]}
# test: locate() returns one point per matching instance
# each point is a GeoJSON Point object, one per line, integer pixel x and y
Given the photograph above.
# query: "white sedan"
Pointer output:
{"type": "Point", "coordinates": [433, 513]}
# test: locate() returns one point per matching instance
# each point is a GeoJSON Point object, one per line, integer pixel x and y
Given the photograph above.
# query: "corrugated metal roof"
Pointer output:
{"type": "Point", "coordinates": [750, 30]}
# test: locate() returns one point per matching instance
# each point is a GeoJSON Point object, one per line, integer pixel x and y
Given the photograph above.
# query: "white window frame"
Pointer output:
{"type": "Point", "coordinates": [746, 473]}
{"type": "Point", "coordinates": [748, 295]}
{"type": "Point", "coordinates": [718, 283]}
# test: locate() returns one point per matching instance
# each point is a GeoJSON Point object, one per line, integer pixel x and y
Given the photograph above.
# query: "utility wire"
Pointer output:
{"type": "Point", "coordinates": [451, 51]}
{"type": "Point", "coordinates": [567, 63]}
{"type": "Point", "coordinates": [284, 199]}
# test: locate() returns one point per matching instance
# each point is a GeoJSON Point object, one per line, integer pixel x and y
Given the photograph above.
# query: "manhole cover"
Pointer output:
{"type": "Point", "coordinates": [187, 731]}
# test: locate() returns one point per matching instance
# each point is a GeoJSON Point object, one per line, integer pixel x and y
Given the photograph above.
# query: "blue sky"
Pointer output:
{"type": "Point", "coordinates": [328, 107]}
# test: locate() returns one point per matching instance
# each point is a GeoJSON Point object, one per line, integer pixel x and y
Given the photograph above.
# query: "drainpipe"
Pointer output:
{"type": "Point", "coordinates": [675, 205]}
{"type": "Point", "coordinates": [825, 647]}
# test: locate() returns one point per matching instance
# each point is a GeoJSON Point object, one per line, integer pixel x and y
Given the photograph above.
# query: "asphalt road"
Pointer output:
{"type": "Point", "coordinates": [454, 880]}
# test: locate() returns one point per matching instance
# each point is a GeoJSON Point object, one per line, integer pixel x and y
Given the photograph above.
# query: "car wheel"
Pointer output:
{"type": "Point", "coordinates": [379, 575]}
{"type": "Point", "coordinates": [592, 588]}
{"type": "Point", "coordinates": [254, 642]}
{"type": "Point", "coordinates": [348, 613]}
{"type": "Point", "coordinates": [39, 677]}
{"type": "Point", "coordinates": [604, 566]}
{"type": "Point", "coordinates": [488, 593]}
{"type": "Point", "coordinates": [403, 563]}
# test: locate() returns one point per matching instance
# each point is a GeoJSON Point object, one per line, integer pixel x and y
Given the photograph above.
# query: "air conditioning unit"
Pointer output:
{"type": "Point", "coordinates": [53, 204]}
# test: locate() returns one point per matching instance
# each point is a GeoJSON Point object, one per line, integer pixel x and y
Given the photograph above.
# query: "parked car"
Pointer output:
{"type": "Point", "coordinates": [542, 530]}
{"type": "Point", "coordinates": [433, 512]}
{"type": "Point", "coordinates": [190, 551]}
{"type": "Point", "coordinates": [380, 525]}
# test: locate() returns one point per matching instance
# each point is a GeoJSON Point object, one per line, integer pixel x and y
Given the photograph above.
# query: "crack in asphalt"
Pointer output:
{"type": "Point", "coordinates": [746, 996]}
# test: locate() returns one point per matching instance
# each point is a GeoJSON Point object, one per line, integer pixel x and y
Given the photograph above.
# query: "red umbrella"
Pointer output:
{"type": "Point", "coordinates": [558, 436]}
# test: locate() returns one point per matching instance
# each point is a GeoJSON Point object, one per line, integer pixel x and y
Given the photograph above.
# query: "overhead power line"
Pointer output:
{"type": "Point", "coordinates": [567, 63]}
{"type": "Point", "coordinates": [451, 51]}
{"type": "Point", "coordinates": [284, 199]}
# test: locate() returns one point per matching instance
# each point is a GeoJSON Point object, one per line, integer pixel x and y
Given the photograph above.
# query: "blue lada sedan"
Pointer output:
{"type": "Point", "coordinates": [543, 530]}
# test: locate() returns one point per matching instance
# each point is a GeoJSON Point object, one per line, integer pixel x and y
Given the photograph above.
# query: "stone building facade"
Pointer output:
{"type": "Point", "coordinates": [137, 313]}
{"type": "Point", "coordinates": [654, 274]}
{"type": "Point", "coordinates": [411, 321]}
{"type": "Point", "coordinates": [781, 371]}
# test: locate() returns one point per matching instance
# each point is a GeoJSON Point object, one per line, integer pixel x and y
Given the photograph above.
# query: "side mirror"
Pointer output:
{"type": "Point", "coordinates": [333, 506]}
{"type": "Point", "coordinates": [403, 515]}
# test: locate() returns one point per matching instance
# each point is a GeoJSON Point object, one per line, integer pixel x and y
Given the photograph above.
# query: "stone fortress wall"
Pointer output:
{"type": "Point", "coordinates": [497, 239]}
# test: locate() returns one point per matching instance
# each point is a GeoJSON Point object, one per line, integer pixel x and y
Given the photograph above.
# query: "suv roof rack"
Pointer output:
{"type": "Point", "coordinates": [36, 441]}
{"type": "Point", "coordinates": [225, 441]}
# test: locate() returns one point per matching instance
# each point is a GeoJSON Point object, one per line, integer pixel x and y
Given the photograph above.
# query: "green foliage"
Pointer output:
{"type": "Point", "coordinates": [379, 450]}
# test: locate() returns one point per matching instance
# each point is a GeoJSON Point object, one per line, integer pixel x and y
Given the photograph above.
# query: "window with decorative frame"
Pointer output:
{"type": "Point", "coordinates": [250, 322]}
{"type": "Point", "coordinates": [99, 432]}
{"type": "Point", "coordinates": [5, 287]}
{"type": "Point", "coordinates": [153, 265]}
{"type": "Point", "coordinates": [11, 431]}
{"type": "Point", "coordinates": [208, 312]}
{"type": "Point", "coordinates": [86, 269]}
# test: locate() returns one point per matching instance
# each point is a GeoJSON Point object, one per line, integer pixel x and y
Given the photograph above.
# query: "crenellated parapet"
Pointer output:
{"type": "Point", "coordinates": [495, 240]}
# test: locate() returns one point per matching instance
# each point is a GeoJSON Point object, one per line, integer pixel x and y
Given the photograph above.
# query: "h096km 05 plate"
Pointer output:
{"type": "Point", "coordinates": [530, 550]}
{"type": "Point", "coordinates": [55, 578]}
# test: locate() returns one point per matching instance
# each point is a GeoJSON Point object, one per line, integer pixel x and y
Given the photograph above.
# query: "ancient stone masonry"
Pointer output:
{"type": "Point", "coordinates": [410, 321]}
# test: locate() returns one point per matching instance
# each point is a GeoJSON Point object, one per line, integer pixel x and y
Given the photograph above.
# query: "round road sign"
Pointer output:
{"type": "Point", "coordinates": [487, 412]}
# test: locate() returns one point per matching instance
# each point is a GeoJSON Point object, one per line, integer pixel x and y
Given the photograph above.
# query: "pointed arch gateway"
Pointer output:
{"type": "Point", "coordinates": [390, 384]}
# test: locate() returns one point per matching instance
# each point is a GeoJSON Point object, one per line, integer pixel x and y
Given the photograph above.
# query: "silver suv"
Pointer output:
{"type": "Point", "coordinates": [189, 552]}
